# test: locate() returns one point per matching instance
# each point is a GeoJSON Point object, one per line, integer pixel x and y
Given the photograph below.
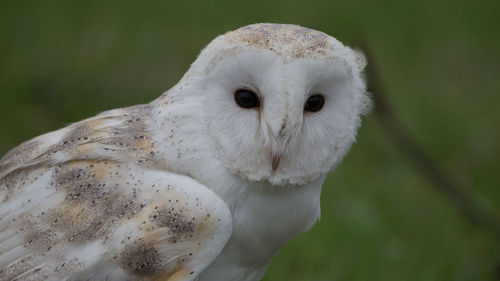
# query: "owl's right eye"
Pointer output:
{"type": "Point", "coordinates": [246, 98]}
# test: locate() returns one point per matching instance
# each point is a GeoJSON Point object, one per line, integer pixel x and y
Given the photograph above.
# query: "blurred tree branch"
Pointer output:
{"type": "Point", "coordinates": [441, 182]}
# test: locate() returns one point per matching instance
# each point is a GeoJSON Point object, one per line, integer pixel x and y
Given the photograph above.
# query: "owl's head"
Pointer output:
{"type": "Point", "coordinates": [280, 103]}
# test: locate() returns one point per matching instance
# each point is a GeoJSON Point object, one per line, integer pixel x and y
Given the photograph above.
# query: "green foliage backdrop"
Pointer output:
{"type": "Point", "coordinates": [61, 61]}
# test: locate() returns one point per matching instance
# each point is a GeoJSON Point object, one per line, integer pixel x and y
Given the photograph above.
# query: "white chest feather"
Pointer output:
{"type": "Point", "coordinates": [263, 222]}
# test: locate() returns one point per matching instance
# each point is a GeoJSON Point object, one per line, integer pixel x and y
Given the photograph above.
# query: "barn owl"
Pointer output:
{"type": "Point", "coordinates": [205, 183]}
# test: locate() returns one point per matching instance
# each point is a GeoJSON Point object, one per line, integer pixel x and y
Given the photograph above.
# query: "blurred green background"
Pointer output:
{"type": "Point", "coordinates": [61, 61]}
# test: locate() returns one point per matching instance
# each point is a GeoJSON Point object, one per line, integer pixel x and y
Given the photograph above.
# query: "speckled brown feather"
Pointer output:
{"type": "Point", "coordinates": [90, 186]}
{"type": "Point", "coordinates": [296, 41]}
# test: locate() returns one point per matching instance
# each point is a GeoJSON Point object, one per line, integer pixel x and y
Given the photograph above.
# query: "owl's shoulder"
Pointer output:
{"type": "Point", "coordinates": [120, 134]}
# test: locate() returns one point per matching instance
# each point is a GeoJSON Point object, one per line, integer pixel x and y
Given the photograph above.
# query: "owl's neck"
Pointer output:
{"type": "Point", "coordinates": [265, 218]}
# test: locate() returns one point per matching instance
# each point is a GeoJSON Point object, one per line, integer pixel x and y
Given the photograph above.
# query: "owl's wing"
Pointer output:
{"type": "Point", "coordinates": [88, 202]}
{"type": "Point", "coordinates": [105, 220]}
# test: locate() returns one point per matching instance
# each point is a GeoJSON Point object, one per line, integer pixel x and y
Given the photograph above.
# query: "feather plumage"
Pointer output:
{"type": "Point", "coordinates": [192, 185]}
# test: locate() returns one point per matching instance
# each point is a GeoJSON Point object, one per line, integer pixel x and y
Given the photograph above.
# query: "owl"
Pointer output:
{"type": "Point", "coordinates": [207, 182]}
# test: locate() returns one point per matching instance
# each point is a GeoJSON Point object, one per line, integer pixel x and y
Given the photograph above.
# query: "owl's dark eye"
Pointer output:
{"type": "Point", "coordinates": [314, 103]}
{"type": "Point", "coordinates": [246, 98]}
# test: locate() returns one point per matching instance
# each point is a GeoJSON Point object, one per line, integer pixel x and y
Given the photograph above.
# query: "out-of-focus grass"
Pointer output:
{"type": "Point", "coordinates": [63, 61]}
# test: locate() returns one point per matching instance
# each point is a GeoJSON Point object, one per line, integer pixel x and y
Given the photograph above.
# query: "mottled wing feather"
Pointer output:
{"type": "Point", "coordinates": [97, 220]}
{"type": "Point", "coordinates": [120, 134]}
{"type": "Point", "coordinates": [82, 204]}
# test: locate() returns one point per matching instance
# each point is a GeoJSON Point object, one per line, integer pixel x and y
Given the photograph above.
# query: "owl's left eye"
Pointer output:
{"type": "Point", "coordinates": [246, 98]}
{"type": "Point", "coordinates": [314, 103]}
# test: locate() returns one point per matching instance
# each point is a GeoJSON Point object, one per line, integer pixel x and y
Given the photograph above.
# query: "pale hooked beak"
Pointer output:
{"type": "Point", "coordinates": [275, 162]}
{"type": "Point", "coordinates": [280, 130]}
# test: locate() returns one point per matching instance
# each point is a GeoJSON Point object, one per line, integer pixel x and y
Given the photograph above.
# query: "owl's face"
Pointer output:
{"type": "Point", "coordinates": [278, 115]}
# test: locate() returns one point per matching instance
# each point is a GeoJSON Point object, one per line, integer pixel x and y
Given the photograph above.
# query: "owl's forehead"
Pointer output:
{"type": "Point", "coordinates": [286, 39]}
